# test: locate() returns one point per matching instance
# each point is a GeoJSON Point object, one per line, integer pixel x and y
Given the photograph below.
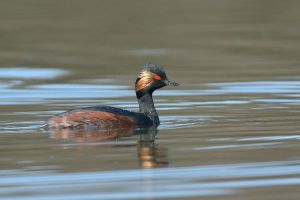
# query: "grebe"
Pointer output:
{"type": "Point", "coordinates": [150, 78]}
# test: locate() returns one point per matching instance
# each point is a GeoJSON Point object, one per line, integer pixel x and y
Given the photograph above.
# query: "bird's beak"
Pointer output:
{"type": "Point", "coordinates": [167, 82]}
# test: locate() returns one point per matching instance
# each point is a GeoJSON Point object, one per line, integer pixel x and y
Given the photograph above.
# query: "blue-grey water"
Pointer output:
{"type": "Point", "coordinates": [230, 131]}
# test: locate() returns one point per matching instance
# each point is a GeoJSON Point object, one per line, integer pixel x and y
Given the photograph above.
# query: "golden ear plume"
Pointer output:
{"type": "Point", "coordinates": [145, 79]}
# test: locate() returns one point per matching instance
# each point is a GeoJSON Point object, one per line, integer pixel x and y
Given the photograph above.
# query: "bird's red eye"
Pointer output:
{"type": "Point", "coordinates": [157, 77]}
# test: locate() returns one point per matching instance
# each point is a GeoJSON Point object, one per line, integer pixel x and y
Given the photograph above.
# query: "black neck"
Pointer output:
{"type": "Point", "coordinates": [147, 106]}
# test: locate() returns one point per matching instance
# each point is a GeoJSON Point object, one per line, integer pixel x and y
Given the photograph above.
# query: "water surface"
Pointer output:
{"type": "Point", "coordinates": [230, 131]}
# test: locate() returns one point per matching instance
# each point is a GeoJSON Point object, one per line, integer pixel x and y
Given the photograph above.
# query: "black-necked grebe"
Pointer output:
{"type": "Point", "coordinates": [150, 78]}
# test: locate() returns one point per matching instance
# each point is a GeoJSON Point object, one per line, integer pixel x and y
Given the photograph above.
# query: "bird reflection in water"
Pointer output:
{"type": "Point", "coordinates": [84, 135]}
{"type": "Point", "coordinates": [149, 153]}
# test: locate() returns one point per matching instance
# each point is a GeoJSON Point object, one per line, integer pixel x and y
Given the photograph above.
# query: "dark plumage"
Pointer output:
{"type": "Point", "coordinates": [150, 78]}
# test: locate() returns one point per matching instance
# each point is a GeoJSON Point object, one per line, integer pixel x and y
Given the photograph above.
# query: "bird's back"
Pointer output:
{"type": "Point", "coordinates": [99, 116]}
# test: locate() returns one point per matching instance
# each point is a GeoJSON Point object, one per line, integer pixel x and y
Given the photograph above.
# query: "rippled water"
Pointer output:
{"type": "Point", "coordinates": [241, 136]}
{"type": "Point", "coordinates": [230, 131]}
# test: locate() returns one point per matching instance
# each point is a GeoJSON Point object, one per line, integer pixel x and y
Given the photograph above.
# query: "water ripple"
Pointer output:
{"type": "Point", "coordinates": [209, 180]}
{"type": "Point", "coordinates": [30, 73]}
